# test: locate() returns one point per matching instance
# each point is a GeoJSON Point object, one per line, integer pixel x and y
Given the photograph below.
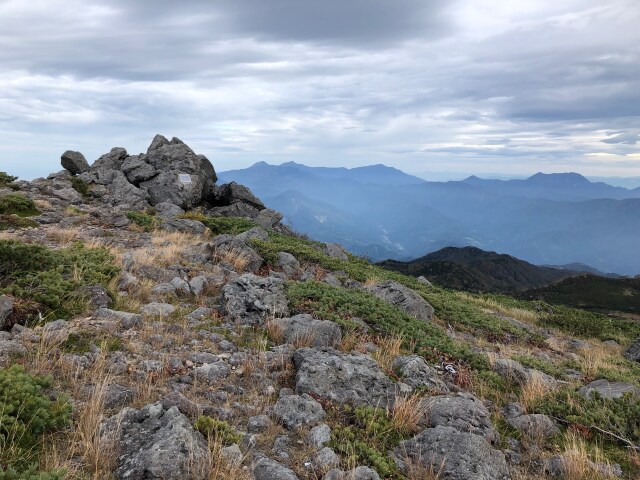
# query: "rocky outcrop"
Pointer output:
{"type": "Point", "coordinates": [404, 298]}
{"type": "Point", "coordinates": [609, 390]}
{"type": "Point", "coordinates": [633, 352]}
{"type": "Point", "coordinates": [74, 162]}
{"type": "Point", "coordinates": [415, 372]}
{"type": "Point", "coordinates": [304, 329]}
{"type": "Point", "coordinates": [155, 443]}
{"type": "Point", "coordinates": [249, 299]}
{"type": "Point", "coordinates": [455, 455]}
{"type": "Point", "coordinates": [342, 377]}
{"type": "Point", "coordinates": [295, 411]}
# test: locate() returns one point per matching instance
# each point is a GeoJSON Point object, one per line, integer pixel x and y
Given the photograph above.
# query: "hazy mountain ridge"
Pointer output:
{"type": "Point", "coordinates": [553, 220]}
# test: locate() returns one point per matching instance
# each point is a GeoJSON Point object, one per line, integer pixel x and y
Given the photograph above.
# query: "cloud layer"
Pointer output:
{"type": "Point", "coordinates": [427, 86]}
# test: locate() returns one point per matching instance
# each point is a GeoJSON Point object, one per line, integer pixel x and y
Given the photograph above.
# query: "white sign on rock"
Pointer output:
{"type": "Point", "coordinates": [184, 178]}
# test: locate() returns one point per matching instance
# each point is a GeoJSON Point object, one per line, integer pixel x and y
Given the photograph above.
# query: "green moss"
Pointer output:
{"type": "Point", "coordinates": [539, 364]}
{"type": "Point", "coordinates": [79, 186]}
{"type": "Point", "coordinates": [220, 225]}
{"type": "Point", "coordinates": [217, 430]}
{"type": "Point", "coordinates": [341, 305]}
{"type": "Point", "coordinates": [80, 343]}
{"type": "Point", "coordinates": [53, 278]}
{"type": "Point", "coordinates": [17, 204]}
{"type": "Point", "coordinates": [364, 436]}
{"type": "Point", "coordinates": [147, 221]}
{"type": "Point", "coordinates": [26, 412]}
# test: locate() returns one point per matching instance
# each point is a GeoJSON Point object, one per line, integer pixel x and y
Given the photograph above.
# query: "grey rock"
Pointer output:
{"type": "Point", "coordinates": [267, 469]}
{"type": "Point", "coordinates": [200, 313]}
{"type": "Point", "coordinates": [167, 210]}
{"type": "Point", "coordinates": [224, 246]}
{"type": "Point", "coordinates": [633, 352]}
{"type": "Point", "coordinates": [213, 373]}
{"type": "Point", "coordinates": [98, 296]}
{"type": "Point", "coordinates": [415, 372]}
{"type": "Point", "coordinates": [68, 195]}
{"type": "Point", "coordinates": [6, 309]}
{"type": "Point", "coordinates": [182, 403]}
{"type": "Point", "coordinates": [288, 263]}
{"type": "Point", "coordinates": [109, 161]}
{"type": "Point", "coordinates": [255, 233]}
{"type": "Point", "coordinates": [335, 251]}
{"type": "Point", "coordinates": [358, 473]}
{"type": "Point", "coordinates": [198, 284]}
{"type": "Point", "coordinates": [258, 424]}
{"type": "Point", "coordinates": [232, 455]}
{"type": "Point", "coordinates": [464, 412]}
{"type": "Point", "coordinates": [248, 299]}
{"type": "Point", "coordinates": [232, 193]}
{"type": "Point", "coordinates": [163, 288]}
{"type": "Point", "coordinates": [126, 319]}
{"type": "Point", "coordinates": [171, 160]}
{"type": "Point", "coordinates": [609, 390]}
{"type": "Point", "coordinates": [124, 195]}
{"type": "Point", "coordinates": [295, 411]}
{"type": "Point", "coordinates": [304, 329]}
{"type": "Point", "coordinates": [326, 459]}
{"type": "Point", "coordinates": [534, 426]}
{"type": "Point", "coordinates": [404, 298]}
{"type": "Point", "coordinates": [456, 455]}
{"type": "Point", "coordinates": [158, 309]}
{"type": "Point", "coordinates": [182, 286]}
{"type": "Point", "coordinates": [268, 218]}
{"type": "Point", "coordinates": [343, 378]}
{"type": "Point", "coordinates": [184, 225]}
{"type": "Point", "coordinates": [319, 435]}
{"type": "Point", "coordinates": [10, 348]}
{"type": "Point", "coordinates": [74, 162]}
{"type": "Point", "coordinates": [422, 279]}
{"type": "Point", "coordinates": [137, 170]}
{"type": "Point", "coordinates": [155, 443]}
{"type": "Point", "coordinates": [116, 395]}
{"type": "Point", "coordinates": [518, 374]}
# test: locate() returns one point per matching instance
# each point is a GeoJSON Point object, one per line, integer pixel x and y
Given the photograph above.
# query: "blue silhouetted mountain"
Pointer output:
{"type": "Point", "coordinates": [383, 213]}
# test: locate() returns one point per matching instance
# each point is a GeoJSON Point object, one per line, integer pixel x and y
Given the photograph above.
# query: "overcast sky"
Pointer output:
{"type": "Point", "coordinates": [428, 86]}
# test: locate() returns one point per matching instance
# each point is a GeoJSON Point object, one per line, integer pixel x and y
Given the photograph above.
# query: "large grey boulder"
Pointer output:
{"type": "Point", "coordinates": [267, 469]}
{"type": "Point", "coordinates": [295, 411]}
{"type": "Point", "coordinates": [268, 218]}
{"type": "Point", "coordinates": [109, 161]}
{"type": "Point", "coordinates": [229, 247]}
{"type": "Point", "coordinates": [232, 193]}
{"type": "Point", "coordinates": [304, 329]}
{"type": "Point", "coordinates": [124, 195]}
{"type": "Point", "coordinates": [633, 352]}
{"type": "Point", "coordinates": [516, 373]}
{"type": "Point", "coordinates": [414, 371]}
{"type": "Point", "coordinates": [137, 170]}
{"type": "Point", "coordinates": [342, 377]}
{"type": "Point", "coordinates": [535, 426]}
{"type": "Point", "coordinates": [335, 251]}
{"type": "Point", "coordinates": [249, 299]}
{"type": "Point", "coordinates": [184, 179]}
{"type": "Point", "coordinates": [609, 390]}
{"type": "Point", "coordinates": [74, 162]}
{"type": "Point", "coordinates": [404, 298]}
{"type": "Point", "coordinates": [155, 443]}
{"type": "Point", "coordinates": [464, 412]}
{"type": "Point", "coordinates": [456, 455]}
{"type": "Point", "coordinates": [127, 320]}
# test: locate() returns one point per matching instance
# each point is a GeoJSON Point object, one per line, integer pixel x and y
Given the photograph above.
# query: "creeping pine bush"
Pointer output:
{"type": "Point", "coordinates": [17, 204]}
{"type": "Point", "coordinates": [217, 430]}
{"type": "Point", "coordinates": [146, 221]}
{"type": "Point", "coordinates": [26, 413]}
{"type": "Point", "coordinates": [53, 278]}
{"type": "Point", "coordinates": [220, 225]}
{"type": "Point", "coordinates": [364, 435]}
{"type": "Point", "coordinates": [6, 180]}
{"type": "Point", "coordinates": [31, 473]}
{"type": "Point", "coordinates": [80, 186]}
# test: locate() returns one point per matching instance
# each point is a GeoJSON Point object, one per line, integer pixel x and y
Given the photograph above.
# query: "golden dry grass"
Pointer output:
{"type": "Point", "coordinates": [408, 412]}
{"type": "Point", "coordinates": [521, 314]}
{"type": "Point", "coordinates": [388, 349]}
{"type": "Point", "coordinates": [579, 459]}
{"type": "Point", "coordinates": [165, 248]}
{"type": "Point", "coordinates": [532, 391]}
{"type": "Point", "coordinates": [598, 356]}
{"type": "Point", "coordinates": [63, 236]}
{"type": "Point", "coordinates": [237, 258]}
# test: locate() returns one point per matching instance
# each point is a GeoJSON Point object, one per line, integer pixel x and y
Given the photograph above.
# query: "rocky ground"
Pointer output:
{"type": "Point", "coordinates": [223, 346]}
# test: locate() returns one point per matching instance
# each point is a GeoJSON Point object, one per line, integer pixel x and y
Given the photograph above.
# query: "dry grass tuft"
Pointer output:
{"type": "Point", "coordinates": [237, 258]}
{"type": "Point", "coordinates": [388, 349]}
{"type": "Point", "coordinates": [417, 471]}
{"type": "Point", "coordinates": [521, 314]}
{"type": "Point", "coordinates": [532, 391]}
{"type": "Point", "coordinates": [579, 464]}
{"type": "Point", "coordinates": [63, 236]}
{"type": "Point", "coordinates": [408, 412]}
{"type": "Point", "coordinates": [595, 358]}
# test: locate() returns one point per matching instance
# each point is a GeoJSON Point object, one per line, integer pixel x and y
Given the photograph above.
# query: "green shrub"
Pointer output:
{"type": "Point", "coordinates": [26, 413]}
{"type": "Point", "coordinates": [31, 473]}
{"type": "Point", "coordinates": [80, 186]}
{"type": "Point", "coordinates": [14, 221]}
{"type": "Point", "coordinates": [620, 416]}
{"type": "Point", "coordinates": [6, 180]}
{"type": "Point", "coordinates": [146, 221]}
{"type": "Point", "coordinates": [217, 430]}
{"type": "Point", "coordinates": [53, 278]}
{"type": "Point", "coordinates": [341, 305]}
{"type": "Point", "coordinates": [220, 225]}
{"type": "Point", "coordinates": [363, 436]}
{"type": "Point", "coordinates": [539, 364]}
{"type": "Point", "coordinates": [81, 343]}
{"type": "Point", "coordinates": [17, 204]}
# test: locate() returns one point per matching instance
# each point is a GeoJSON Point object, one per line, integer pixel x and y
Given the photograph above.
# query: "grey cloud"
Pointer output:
{"type": "Point", "coordinates": [626, 138]}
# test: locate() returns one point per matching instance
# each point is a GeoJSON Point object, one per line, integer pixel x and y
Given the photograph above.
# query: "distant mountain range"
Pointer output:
{"type": "Point", "coordinates": [382, 212]}
{"type": "Point", "coordinates": [475, 270]}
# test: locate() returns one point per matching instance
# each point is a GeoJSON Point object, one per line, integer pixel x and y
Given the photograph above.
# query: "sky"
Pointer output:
{"type": "Point", "coordinates": [435, 88]}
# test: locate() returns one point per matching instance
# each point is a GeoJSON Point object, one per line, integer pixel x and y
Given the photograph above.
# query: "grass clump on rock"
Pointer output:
{"type": "Point", "coordinates": [146, 221]}
{"type": "Point", "coordinates": [218, 431]}
{"type": "Point", "coordinates": [53, 278]}
{"type": "Point", "coordinates": [26, 413]}
{"type": "Point", "coordinates": [17, 204]}
{"type": "Point", "coordinates": [221, 225]}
